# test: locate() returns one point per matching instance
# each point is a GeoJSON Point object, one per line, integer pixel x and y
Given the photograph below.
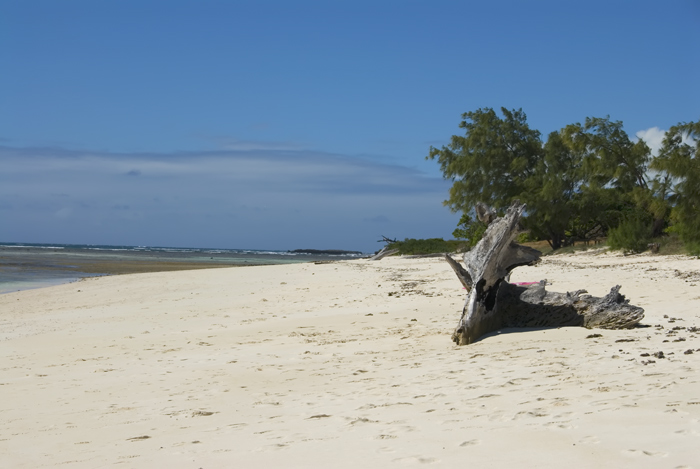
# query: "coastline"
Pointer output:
{"type": "Point", "coordinates": [25, 267]}
{"type": "Point", "coordinates": [343, 364]}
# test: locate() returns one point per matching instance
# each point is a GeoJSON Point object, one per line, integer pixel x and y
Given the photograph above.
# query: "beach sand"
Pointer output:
{"type": "Point", "coordinates": [346, 364]}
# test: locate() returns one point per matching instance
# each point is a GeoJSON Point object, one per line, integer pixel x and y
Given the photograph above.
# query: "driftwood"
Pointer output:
{"type": "Point", "coordinates": [383, 253]}
{"type": "Point", "coordinates": [493, 303]}
{"type": "Point", "coordinates": [425, 256]}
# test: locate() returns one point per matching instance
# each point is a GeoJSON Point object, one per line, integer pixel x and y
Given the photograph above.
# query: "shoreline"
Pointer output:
{"type": "Point", "coordinates": [29, 275]}
{"type": "Point", "coordinates": [29, 267]}
{"type": "Point", "coordinates": [343, 364]}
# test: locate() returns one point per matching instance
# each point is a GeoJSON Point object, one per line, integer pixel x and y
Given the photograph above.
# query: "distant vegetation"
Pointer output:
{"type": "Point", "coordinates": [585, 182]}
{"type": "Point", "coordinates": [427, 246]}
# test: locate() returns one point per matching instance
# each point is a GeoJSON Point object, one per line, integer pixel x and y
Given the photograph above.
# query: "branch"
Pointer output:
{"type": "Point", "coordinates": [462, 274]}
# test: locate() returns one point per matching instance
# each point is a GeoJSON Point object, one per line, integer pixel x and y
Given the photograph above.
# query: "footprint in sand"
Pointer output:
{"type": "Point", "coordinates": [563, 426]}
{"type": "Point", "coordinates": [639, 452]}
{"type": "Point", "coordinates": [386, 449]}
{"type": "Point", "coordinates": [589, 440]}
{"type": "Point", "coordinates": [471, 442]}
{"type": "Point", "coordinates": [417, 459]}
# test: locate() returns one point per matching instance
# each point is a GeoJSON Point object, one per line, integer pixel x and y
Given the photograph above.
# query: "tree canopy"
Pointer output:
{"type": "Point", "coordinates": [678, 181]}
{"type": "Point", "coordinates": [497, 154]}
{"type": "Point", "coordinates": [586, 181]}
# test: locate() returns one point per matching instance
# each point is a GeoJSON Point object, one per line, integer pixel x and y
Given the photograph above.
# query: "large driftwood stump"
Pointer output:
{"type": "Point", "coordinates": [493, 303]}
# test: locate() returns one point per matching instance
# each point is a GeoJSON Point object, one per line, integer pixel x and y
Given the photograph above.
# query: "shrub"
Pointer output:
{"type": "Point", "coordinates": [633, 234]}
{"type": "Point", "coordinates": [411, 246]}
{"type": "Point", "coordinates": [470, 230]}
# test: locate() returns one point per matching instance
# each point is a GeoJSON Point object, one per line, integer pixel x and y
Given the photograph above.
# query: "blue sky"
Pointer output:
{"type": "Point", "coordinates": [290, 124]}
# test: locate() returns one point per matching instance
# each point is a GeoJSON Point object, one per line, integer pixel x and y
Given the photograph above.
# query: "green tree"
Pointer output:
{"type": "Point", "coordinates": [551, 190]}
{"type": "Point", "coordinates": [492, 161]}
{"type": "Point", "coordinates": [611, 158]}
{"type": "Point", "coordinates": [679, 165]}
{"type": "Point", "coordinates": [613, 175]}
{"type": "Point", "coordinates": [584, 181]}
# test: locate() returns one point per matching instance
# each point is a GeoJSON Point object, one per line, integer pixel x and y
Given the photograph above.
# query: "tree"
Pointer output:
{"type": "Point", "coordinates": [492, 161]}
{"type": "Point", "coordinates": [584, 181]}
{"type": "Point", "coordinates": [679, 164]}
{"type": "Point", "coordinates": [611, 158]}
{"type": "Point", "coordinates": [551, 190]}
{"type": "Point", "coordinates": [613, 179]}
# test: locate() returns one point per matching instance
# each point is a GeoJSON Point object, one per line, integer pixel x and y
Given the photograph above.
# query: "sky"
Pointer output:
{"type": "Point", "coordinates": [300, 124]}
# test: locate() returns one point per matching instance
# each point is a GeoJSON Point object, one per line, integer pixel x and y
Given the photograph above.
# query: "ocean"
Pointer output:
{"type": "Point", "coordinates": [25, 266]}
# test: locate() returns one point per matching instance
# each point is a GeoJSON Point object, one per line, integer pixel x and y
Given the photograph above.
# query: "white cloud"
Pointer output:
{"type": "Point", "coordinates": [247, 145]}
{"type": "Point", "coordinates": [240, 199]}
{"type": "Point", "coordinates": [653, 137]}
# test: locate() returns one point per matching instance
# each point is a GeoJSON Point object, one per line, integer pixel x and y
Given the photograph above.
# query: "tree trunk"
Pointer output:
{"type": "Point", "coordinates": [555, 240]}
{"type": "Point", "coordinates": [492, 303]}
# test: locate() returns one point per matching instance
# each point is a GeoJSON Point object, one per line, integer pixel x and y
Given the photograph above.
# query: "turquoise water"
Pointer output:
{"type": "Point", "coordinates": [9, 284]}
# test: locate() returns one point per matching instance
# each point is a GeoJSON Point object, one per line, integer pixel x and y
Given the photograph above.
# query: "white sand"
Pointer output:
{"type": "Point", "coordinates": [318, 366]}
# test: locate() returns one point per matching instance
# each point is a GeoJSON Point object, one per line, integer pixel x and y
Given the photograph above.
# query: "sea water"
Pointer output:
{"type": "Point", "coordinates": [27, 265]}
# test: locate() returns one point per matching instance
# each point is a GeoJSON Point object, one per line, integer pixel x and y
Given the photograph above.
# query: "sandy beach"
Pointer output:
{"type": "Point", "coordinates": [346, 364]}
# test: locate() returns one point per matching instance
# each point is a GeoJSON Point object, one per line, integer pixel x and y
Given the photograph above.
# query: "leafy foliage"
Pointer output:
{"type": "Point", "coordinates": [497, 154]}
{"type": "Point", "coordinates": [551, 190]}
{"type": "Point", "coordinates": [679, 165]}
{"type": "Point", "coordinates": [585, 182]}
{"type": "Point", "coordinates": [633, 234]}
{"type": "Point", "coordinates": [610, 158]}
{"type": "Point", "coordinates": [469, 229]}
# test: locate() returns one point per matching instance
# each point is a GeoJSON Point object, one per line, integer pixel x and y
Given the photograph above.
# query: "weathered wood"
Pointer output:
{"type": "Point", "coordinates": [462, 274]}
{"type": "Point", "coordinates": [492, 303]}
{"type": "Point", "coordinates": [383, 253]}
{"type": "Point", "coordinates": [485, 214]}
{"type": "Point", "coordinates": [425, 256]}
